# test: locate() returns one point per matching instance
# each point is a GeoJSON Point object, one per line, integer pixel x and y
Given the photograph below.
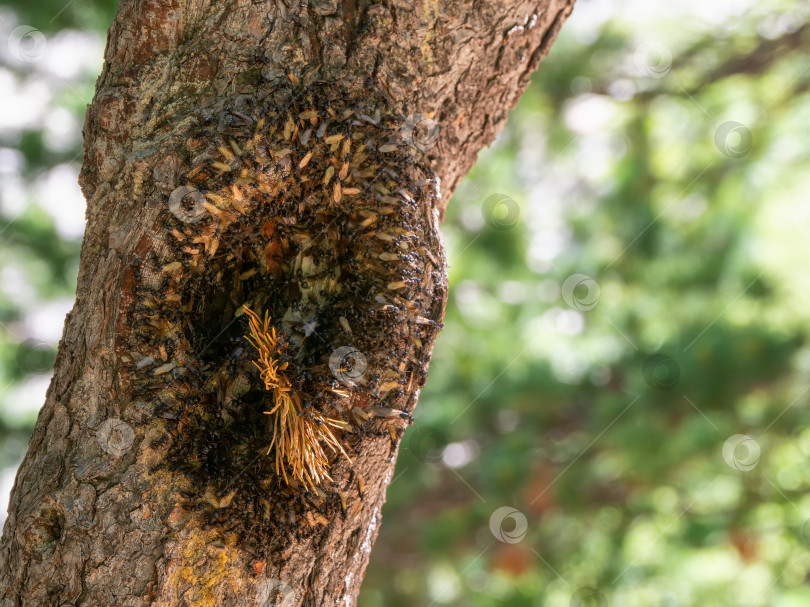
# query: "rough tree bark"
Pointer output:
{"type": "Point", "coordinates": [296, 157]}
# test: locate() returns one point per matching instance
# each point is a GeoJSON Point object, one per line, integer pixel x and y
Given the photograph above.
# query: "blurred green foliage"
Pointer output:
{"type": "Point", "coordinates": [625, 364]}
{"type": "Point", "coordinates": [50, 16]}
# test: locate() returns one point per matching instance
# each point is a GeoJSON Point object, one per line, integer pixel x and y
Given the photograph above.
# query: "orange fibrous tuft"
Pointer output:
{"type": "Point", "coordinates": [299, 434]}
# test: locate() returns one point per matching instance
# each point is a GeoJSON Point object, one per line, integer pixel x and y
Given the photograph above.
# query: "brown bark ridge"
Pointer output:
{"type": "Point", "coordinates": [295, 157]}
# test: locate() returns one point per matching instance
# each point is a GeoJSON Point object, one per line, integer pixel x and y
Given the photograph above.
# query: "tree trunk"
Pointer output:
{"type": "Point", "coordinates": [294, 157]}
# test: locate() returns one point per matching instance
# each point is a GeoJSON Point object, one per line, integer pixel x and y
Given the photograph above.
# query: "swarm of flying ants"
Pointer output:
{"type": "Point", "coordinates": [321, 220]}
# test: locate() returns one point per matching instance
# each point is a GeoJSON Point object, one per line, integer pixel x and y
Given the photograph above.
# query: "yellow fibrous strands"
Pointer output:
{"type": "Point", "coordinates": [299, 434]}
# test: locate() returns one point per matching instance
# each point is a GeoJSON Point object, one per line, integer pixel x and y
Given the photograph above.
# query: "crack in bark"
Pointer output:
{"type": "Point", "coordinates": [348, 12]}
